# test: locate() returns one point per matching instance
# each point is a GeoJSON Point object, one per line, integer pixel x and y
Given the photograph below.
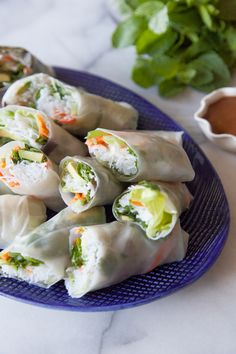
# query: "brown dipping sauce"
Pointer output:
{"type": "Point", "coordinates": [222, 115]}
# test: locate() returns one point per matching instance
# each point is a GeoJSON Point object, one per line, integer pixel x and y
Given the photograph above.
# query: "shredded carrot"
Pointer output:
{"type": "Point", "coordinates": [14, 184]}
{"type": "Point", "coordinates": [136, 202]}
{"type": "Point", "coordinates": [3, 164]}
{"type": "Point", "coordinates": [78, 196]}
{"type": "Point", "coordinates": [7, 58]}
{"type": "Point", "coordinates": [43, 130]}
{"type": "Point", "coordinates": [98, 140]}
{"type": "Point", "coordinates": [78, 230]}
{"type": "Point", "coordinates": [5, 256]}
{"type": "Point", "coordinates": [16, 148]}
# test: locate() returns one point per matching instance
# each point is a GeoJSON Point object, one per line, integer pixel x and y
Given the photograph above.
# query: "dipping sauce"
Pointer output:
{"type": "Point", "coordinates": [222, 115]}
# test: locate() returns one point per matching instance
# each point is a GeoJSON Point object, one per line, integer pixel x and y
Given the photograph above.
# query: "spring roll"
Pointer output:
{"type": "Point", "coordinates": [85, 183]}
{"type": "Point", "coordinates": [137, 155]}
{"type": "Point", "coordinates": [37, 130]}
{"type": "Point", "coordinates": [104, 255]}
{"type": "Point", "coordinates": [19, 215]}
{"type": "Point", "coordinates": [16, 63]}
{"type": "Point", "coordinates": [28, 171]}
{"type": "Point", "coordinates": [42, 256]}
{"type": "Point", "coordinates": [72, 108]}
{"type": "Point", "coordinates": [154, 206]}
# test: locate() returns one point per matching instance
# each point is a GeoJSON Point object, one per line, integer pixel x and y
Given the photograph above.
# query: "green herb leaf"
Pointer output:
{"type": "Point", "coordinates": [128, 32]}
{"type": "Point", "coordinates": [160, 21]}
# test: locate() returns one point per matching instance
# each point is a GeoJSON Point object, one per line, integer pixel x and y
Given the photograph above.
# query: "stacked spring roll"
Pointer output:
{"type": "Point", "coordinates": [73, 108]}
{"type": "Point", "coordinates": [154, 206]}
{"type": "Point", "coordinates": [104, 255]}
{"type": "Point", "coordinates": [42, 256]}
{"type": "Point", "coordinates": [85, 183]}
{"type": "Point", "coordinates": [28, 171]}
{"type": "Point", "coordinates": [19, 215]}
{"type": "Point", "coordinates": [137, 155]}
{"type": "Point", "coordinates": [37, 130]}
{"type": "Point", "coordinates": [16, 63]}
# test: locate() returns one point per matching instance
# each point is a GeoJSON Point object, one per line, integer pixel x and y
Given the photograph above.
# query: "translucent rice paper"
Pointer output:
{"type": "Point", "coordinates": [77, 111]}
{"type": "Point", "coordinates": [16, 63]}
{"type": "Point", "coordinates": [160, 156]}
{"type": "Point", "coordinates": [179, 196]}
{"type": "Point", "coordinates": [107, 189]}
{"type": "Point", "coordinates": [116, 251]}
{"type": "Point", "coordinates": [60, 143]}
{"type": "Point", "coordinates": [41, 183]}
{"type": "Point", "coordinates": [19, 215]}
{"type": "Point", "coordinates": [49, 243]}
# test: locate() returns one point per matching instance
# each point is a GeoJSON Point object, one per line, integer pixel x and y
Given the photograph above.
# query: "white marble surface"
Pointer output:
{"type": "Point", "coordinates": [200, 319]}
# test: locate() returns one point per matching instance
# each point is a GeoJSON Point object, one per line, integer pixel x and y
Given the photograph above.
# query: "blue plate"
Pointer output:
{"type": "Point", "coordinates": [207, 222]}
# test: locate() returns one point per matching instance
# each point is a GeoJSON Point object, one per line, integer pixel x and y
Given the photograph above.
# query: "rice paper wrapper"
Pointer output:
{"type": "Point", "coordinates": [48, 243]}
{"type": "Point", "coordinates": [117, 251]}
{"type": "Point", "coordinates": [178, 194]}
{"type": "Point", "coordinates": [42, 184]}
{"type": "Point", "coordinates": [60, 143]}
{"type": "Point", "coordinates": [76, 110]}
{"type": "Point", "coordinates": [16, 62]}
{"type": "Point", "coordinates": [160, 156]}
{"type": "Point", "coordinates": [107, 188]}
{"type": "Point", "coordinates": [19, 215]}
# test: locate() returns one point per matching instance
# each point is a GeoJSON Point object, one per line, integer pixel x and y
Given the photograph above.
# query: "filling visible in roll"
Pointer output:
{"type": "Point", "coordinates": [148, 206]}
{"type": "Point", "coordinates": [11, 69]}
{"type": "Point", "coordinates": [84, 257]}
{"type": "Point", "coordinates": [112, 152]}
{"type": "Point", "coordinates": [24, 164]}
{"type": "Point", "coordinates": [58, 100]}
{"type": "Point", "coordinates": [24, 124]}
{"type": "Point", "coordinates": [15, 265]}
{"type": "Point", "coordinates": [79, 179]}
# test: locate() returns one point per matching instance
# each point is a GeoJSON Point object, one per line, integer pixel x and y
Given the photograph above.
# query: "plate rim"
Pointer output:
{"type": "Point", "coordinates": [197, 274]}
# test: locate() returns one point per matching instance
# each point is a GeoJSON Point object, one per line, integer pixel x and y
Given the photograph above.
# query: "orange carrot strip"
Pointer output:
{"type": "Point", "coordinates": [5, 256]}
{"type": "Point", "coordinates": [136, 202]}
{"type": "Point", "coordinates": [43, 130]}
{"type": "Point", "coordinates": [78, 196]}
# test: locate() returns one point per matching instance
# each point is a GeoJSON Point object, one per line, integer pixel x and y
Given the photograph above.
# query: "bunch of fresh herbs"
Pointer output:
{"type": "Point", "coordinates": [179, 42]}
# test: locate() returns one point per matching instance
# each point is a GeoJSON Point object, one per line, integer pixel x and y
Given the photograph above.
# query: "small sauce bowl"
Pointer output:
{"type": "Point", "coordinates": [224, 140]}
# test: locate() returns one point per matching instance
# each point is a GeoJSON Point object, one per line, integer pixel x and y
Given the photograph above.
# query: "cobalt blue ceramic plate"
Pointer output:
{"type": "Point", "coordinates": [207, 222]}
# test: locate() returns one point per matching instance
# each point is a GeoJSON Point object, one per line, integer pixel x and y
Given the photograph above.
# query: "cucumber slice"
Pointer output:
{"type": "Point", "coordinates": [31, 155]}
{"type": "Point", "coordinates": [71, 168]}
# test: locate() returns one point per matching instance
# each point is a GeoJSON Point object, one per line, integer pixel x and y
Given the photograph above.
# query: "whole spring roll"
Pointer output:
{"type": "Point", "coordinates": [16, 63]}
{"type": "Point", "coordinates": [19, 215]}
{"type": "Point", "coordinates": [42, 256]}
{"type": "Point", "coordinates": [154, 206]}
{"type": "Point", "coordinates": [28, 171]}
{"type": "Point", "coordinates": [137, 155]}
{"type": "Point", "coordinates": [37, 130]}
{"type": "Point", "coordinates": [85, 183]}
{"type": "Point", "coordinates": [72, 108]}
{"type": "Point", "coordinates": [103, 255]}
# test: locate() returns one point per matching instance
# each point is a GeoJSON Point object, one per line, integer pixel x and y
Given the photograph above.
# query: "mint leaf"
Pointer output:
{"type": "Point", "coordinates": [169, 88]}
{"type": "Point", "coordinates": [159, 22]}
{"type": "Point", "coordinates": [149, 9]}
{"type": "Point", "coordinates": [128, 32]}
{"type": "Point", "coordinates": [143, 73]}
{"type": "Point", "coordinates": [155, 44]}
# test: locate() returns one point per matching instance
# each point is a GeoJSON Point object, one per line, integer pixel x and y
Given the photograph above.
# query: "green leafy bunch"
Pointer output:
{"type": "Point", "coordinates": [179, 42]}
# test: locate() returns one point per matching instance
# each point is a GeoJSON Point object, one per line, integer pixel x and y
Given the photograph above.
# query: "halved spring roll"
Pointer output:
{"type": "Point", "coordinates": [28, 171]}
{"type": "Point", "coordinates": [16, 63]}
{"type": "Point", "coordinates": [85, 183]}
{"type": "Point", "coordinates": [103, 255]}
{"type": "Point", "coordinates": [73, 108]}
{"type": "Point", "coordinates": [137, 155]}
{"type": "Point", "coordinates": [154, 206]}
{"type": "Point", "coordinates": [36, 129]}
{"type": "Point", "coordinates": [19, 215]}
{"type": "Point", "coordinates": [42, 256]}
